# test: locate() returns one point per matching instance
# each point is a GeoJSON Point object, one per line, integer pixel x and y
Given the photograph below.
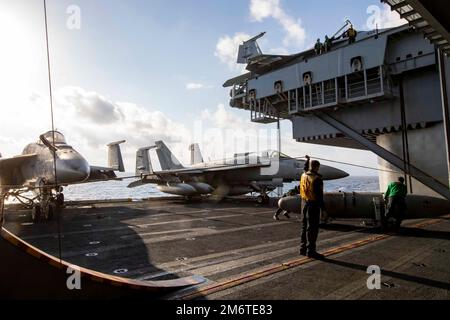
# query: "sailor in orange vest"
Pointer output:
{"type": "Point", "coordinates": [311, 191]}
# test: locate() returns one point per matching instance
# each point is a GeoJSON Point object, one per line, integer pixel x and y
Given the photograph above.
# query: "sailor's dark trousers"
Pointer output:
{"type": "Point", "coordinates": [310, 228]}
{"type": "Point", "coordinates": [396, 208]}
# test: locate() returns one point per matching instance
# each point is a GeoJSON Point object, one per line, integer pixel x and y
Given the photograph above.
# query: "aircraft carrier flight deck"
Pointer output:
{"type": "Point", "coordinates": [241, 252]}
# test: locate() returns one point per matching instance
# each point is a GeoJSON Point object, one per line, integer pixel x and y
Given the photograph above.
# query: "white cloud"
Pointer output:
{"type": "Point", "coordinates": [197, 86]}
{"type": "Point", "coordinates": [227, 46]}
{"type": "Point", "coordinates": [224, 119]}
{"type": "Point", "coordinates": [89, 121]}
{"type": "Point", "coordinates": [383, 17]}
{"type": "Point", "coordinates": [229, 133]}
{"type": "Point", "coordinates": [194, 86]}
{"type": "Point", "coordinates": [227, 49]}
{"type": "Point", "coordinates": [90, 105]}
{"type": "Point", "coordinates": [84, 121]}
{"type": "Point", "coordinates": [295, 33]}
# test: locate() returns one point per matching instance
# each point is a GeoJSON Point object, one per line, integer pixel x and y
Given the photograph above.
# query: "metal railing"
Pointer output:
{"type": "Point", "coordinates": [365, 84]}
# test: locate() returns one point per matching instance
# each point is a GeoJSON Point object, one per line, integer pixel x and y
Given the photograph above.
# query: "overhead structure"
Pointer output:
{"type": "Point", "coordinates": [427, 16]}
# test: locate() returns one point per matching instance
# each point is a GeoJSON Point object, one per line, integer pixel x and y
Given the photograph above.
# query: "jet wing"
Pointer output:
{"type": "Point", "coordinates": [96, 168]}
{"type": "Point", "coordinates": [101, 174]}
{"type": "Point", "coordinates": [236, 167]}
{"type": "Point", "coordinates": [237, 80]}
{"type": "Point", "coordinates": [197, 171]}
{"type": "Point", "coordinates": [15, 162]}
{"type": "Point", "coordinates": [10, 173]}
{"type": "Point", "coordinates": [265, 63]}
{"type": "Point", "coordinates": [172, 175]}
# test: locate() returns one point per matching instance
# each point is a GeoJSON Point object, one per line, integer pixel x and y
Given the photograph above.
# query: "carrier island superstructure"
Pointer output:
{"type": "Point", "coordinates": [386, 92]}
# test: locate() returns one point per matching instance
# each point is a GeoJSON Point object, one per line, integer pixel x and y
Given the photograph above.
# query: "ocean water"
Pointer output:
{"type": "Point", "coordinates": [119, 190]}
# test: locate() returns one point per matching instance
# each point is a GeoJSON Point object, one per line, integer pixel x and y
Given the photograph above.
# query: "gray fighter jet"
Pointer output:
{"type": "Point", "coordinates": [242, 174]}
{"type": "Point", "coordinates": [34, 172]}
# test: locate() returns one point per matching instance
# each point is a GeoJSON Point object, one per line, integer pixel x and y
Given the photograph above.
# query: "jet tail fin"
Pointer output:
{"type": "Point", "coordinates": [115, 160]}
{"type": "Point", "coordinates": [166, 159]}
{"type": "Point", "coordinates": [196, 154]}
{"type": "Point", "coordinates": [249, 49]}
{"type": "Point", "coordinates": [143, 162]}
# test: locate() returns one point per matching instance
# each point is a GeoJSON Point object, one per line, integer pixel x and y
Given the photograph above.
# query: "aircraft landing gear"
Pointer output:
{"type": "Point", "coordinates": [36, 213]}
{"type": "Point", "coordinates": [263, 199]}
{"type": "Point", "coordinates": [51, 203]}
{"type": "Point", "coordinates": [44, 205]}
{"type": "Point", "coordinates": [60, 199]}
{"type": "Point", "coordinates": [49, 211]}
{"type": "Point", "coordinates": [46, 212]}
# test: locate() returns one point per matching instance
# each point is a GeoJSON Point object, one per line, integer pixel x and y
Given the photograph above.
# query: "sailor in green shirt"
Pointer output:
{"type": "Point", "coordinates": [395, 198]}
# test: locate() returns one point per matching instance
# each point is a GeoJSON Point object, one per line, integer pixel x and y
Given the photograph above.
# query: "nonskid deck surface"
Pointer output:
{"type": "Point", "coordinates": [242, 252]}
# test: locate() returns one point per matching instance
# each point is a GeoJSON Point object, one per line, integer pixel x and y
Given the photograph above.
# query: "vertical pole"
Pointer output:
{"type": "Point", "coordinates": [346, 88]}
{"type": "Point", "coordinates": [336, 90]}
{"type": "Point", "coordinates": [366, 89]}
{"type": "Point", "coordinates": [405, 140]}
{"type": "Point", "coordinates": [280, 189]}
{"type": "Point", "coordinates": [53, 126]}
{"type": "Point", "coordinates": [2, 207]}
{"type": "Point", "coordinates": [304, 98]}
{"type": "Point", "coordinates": [289, 102]}
{"type": "Point", "coordinates": [323, 93]}
{"type": "Point", "coordinates": [445, 107]}
{"type": "Point", "coordinates": [381, 79]}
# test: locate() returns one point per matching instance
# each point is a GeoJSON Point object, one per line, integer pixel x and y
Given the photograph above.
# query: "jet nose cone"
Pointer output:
{"type": "Point", "coordinates": [330, 173]}
{"type": "Point", "coordinates": [73, 171]}
{"type": "Point", "coordinates": [340, 174]}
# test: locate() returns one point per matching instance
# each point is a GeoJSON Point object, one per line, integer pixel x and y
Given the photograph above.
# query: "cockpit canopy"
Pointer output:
{"type": "Point", "coordinates": [59, 137]}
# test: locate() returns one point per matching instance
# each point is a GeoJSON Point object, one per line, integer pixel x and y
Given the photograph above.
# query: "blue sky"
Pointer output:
{"type": "Point", "coordinates": [146, 53]}
{"type": "Point", "coordinates": [147, 49]}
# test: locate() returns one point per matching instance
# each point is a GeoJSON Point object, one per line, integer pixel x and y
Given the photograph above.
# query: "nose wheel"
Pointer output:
{"type": "Point", "coordinates": [49, 211]}
{"type": "Point", "coordinates": [263, 199]}
{"type": "Point", "coordinates": [46, 207]}
{"type": "Point", "coordinates": [46, 212]}
{"type": "Point", "coordinates": [36, 213]}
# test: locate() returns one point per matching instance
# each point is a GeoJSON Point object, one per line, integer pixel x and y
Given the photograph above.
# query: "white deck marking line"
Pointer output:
{"type": "Point", "coordinates": [234, 259]}
{"type": "Point", "coordinates": [208, 232]}
{"type": "Point", "coordinates": [133, 227]}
